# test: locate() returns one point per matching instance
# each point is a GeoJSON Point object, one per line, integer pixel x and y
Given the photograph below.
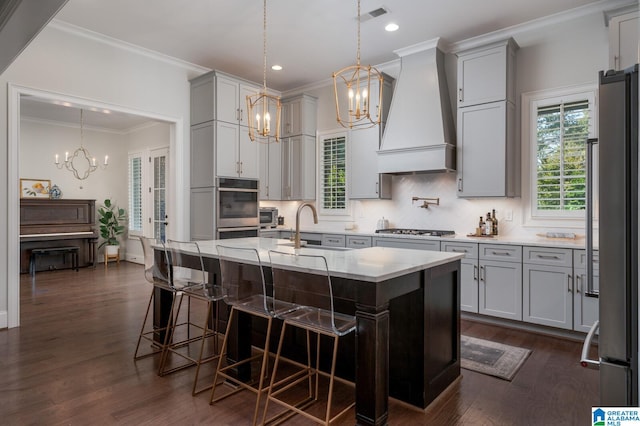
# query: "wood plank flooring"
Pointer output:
{"type": "Point", "coordinates": [71, 362]}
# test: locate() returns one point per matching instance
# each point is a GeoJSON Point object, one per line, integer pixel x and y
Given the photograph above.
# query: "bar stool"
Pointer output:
{"type": "Point", "coordinates": [154, 275]}
{"type": "Point", "coordinates": [244, 290]}
{"type": "Point", "coordinates": [187, 277]}
{"type": "Point", "coordinates": [305, 279]}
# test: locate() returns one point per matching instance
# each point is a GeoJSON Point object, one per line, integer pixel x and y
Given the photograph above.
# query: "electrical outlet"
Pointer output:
{"type": "Point", "coordinates": [508, 215]}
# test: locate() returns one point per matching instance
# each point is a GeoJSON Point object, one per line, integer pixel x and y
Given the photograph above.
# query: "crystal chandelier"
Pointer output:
{"type": "Point", "coordinates": [80, 163]}
{"type": "Point", "coordinates": [262, 105]}
{"type": "Point", "coordinates": [353, 85]}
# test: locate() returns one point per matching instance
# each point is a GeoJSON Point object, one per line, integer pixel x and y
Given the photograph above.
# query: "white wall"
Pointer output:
{"type": "Point", "coordinates": [95, 72]}
{"type": "Point", "coordinates": [559, 55]}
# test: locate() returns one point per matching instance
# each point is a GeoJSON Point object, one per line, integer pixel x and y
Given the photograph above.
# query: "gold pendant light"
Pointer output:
{"type": "Point", "coordinates": [352, 88]}
{"type": "Point", "coordinates": [262, 106]}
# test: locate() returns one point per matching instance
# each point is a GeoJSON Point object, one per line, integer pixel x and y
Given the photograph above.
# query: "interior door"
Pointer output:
{"type": "Point", "coordinates": [158, 191]}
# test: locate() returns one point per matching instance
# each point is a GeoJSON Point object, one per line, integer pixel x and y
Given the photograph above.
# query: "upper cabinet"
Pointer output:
{"type": "Point", "coordinates": [624, 49]}
{"type": "Point", "coordinates": [299, 116]}
{"type": "Point", "coordinates": [487, 74]}
{"type": "Point", "coordinates": [488, 151]}
{"type": "Point", "coordinates": [364, 180]}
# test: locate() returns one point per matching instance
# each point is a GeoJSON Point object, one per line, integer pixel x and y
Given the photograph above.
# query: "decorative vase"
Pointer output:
{"type": "Point", "coordinates": [55, 193]}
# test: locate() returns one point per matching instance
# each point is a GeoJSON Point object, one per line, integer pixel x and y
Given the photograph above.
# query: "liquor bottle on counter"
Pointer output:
{"type": "Point", "coordinates": [488, 225]}
{"type": "Point", "coordinates": [494, 218]}
{"type": "Point", "coordinates": [481, 226]}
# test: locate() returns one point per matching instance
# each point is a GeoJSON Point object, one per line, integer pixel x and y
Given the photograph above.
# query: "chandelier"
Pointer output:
{"type": "Point", "coordinates": [262, 105]}
{"type": "Point", "coordinates": [80, 163]}
{"type": "Point", "coordinates": [353, 85]}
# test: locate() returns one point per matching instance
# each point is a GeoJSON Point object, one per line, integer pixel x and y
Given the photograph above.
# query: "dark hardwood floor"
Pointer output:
{"type": "Point", "coordinates": [71, 362]}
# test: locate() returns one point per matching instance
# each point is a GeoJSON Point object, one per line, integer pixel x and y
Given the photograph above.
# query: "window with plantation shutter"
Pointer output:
{"type": "Point", "coordinates": [135, 194]}
{"type": "Point", "coordinates": [560, 128]}
{"type": "Point", "coordinates": [332, 193]}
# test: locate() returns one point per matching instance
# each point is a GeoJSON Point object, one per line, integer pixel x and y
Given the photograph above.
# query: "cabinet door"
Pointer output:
{"type": "Point", "coordinates": [500, 291]}
{"type": "Point", "coordinates": [333, 240]}
{"type": "Point", "coordinates": [244, 91]}
{"type": "Point", "coordinates": [203, 213]}
{"type": "Point", "coordinates": [364, 180]}
{"type": "Point", "coordinates": [482, 76]}
{"type": "Point", "coordinates": [406, 243]}
{"type": "Point", "coordinates": [469, 286]}
{"type": "Point", "coordinates": [548, 295]}
{"type": "Point", "coordinates": [270, 171]}
{"type": "Point", "coordinates": [356, 241]}
{"type": "Point", "coordinates": [585, 307]}
{"type": "Point", "coordinates": [202, 99]}
{"type": "Point", "coordinates": [227, 96]}
{"type": "Point", "coordinates": [248, 155]}
{"type": "Point", "coordinates": [623, 41]}
{"type": "Point", "coordinates": [482, 151]}
{"type": "Point", "coordinates": [299, 168]}
{"type": "Point", "coordinates": [202, 155]}
{"type": "Point", "coordinates": [227, 150]}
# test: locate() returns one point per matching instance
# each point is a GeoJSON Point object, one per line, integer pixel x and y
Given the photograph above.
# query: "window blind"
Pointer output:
{"type": "Point", "coordinates": [333, 185]}
{"type": "Point", "coordinates": [135, 193]}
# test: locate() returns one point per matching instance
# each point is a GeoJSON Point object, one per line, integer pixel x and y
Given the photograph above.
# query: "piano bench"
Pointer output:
{"type": "Point", "coordinates": [52, 251]}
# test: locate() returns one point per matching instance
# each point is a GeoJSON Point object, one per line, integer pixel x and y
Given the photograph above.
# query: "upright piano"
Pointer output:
{"type": "Point", "coordinates": [46, 223]}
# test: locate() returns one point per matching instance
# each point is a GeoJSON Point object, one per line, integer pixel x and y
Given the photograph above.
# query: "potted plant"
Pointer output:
{"type": "Point", "coordinates": [111, 218]}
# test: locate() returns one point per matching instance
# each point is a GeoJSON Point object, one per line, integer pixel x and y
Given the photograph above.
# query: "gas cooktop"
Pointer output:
{"type": "Point", "coordinates": [425, 232]}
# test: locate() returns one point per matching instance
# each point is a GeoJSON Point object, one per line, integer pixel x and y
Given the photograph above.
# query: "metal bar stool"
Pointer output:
{"type": "Point", "coordinates": [305, 280]}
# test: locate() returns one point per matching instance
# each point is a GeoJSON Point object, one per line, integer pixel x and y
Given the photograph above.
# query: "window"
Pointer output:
{"type": "Point", "coordinates": [332, 191]}
{"type": "Point", "coordinates": [135, 194]}
{"type": "Point", "coordinates": [560, 124]}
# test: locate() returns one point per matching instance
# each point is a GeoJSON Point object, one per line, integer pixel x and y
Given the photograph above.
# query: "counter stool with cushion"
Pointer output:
{"type": "Point", "coordinates": [242, 280]}
{"type": "Point", "coordinates": [154, 275]}
{"type": "Point", "coordinates": [305, 281]}
{"type": "Point", "coordinates": [187, 277]}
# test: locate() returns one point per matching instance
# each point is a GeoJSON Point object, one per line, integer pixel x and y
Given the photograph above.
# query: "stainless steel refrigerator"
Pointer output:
{"type": "Point", "coordinates": [618, 237]}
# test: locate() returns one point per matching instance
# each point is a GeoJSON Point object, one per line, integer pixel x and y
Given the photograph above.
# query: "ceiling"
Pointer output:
{"type": "Point", "coordinates": [309, 38]}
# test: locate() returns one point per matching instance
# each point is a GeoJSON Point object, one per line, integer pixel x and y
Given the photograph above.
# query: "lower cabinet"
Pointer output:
{"type": "Point", "coordinates": [333, 240]}
{"type": "Point", "coordinates": [500, 275]}
{"type": "Point", "coordinates": [406, 243]}
{"type": "Point", "coordinates": [202, 213]}
{"type": "Point", "coordinates": [468, 273]}
{"type": "Point", "coordinates": [585, 304]}
{"type": "Point", "coordinates": [357, 241]}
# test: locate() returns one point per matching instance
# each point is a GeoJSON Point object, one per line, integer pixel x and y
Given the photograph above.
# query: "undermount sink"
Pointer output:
{"type": "Point", "coordinates": [310, 246]}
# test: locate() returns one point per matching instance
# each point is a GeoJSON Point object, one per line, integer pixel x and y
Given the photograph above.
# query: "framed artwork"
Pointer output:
{"type": "Point", "coordinates": [34, 188]}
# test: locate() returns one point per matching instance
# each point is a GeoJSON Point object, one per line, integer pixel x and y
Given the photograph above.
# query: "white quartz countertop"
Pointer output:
{"type": "Point", "coordinates": [373, 264]}
{"type": "Point", "coordinates": [577, 243]}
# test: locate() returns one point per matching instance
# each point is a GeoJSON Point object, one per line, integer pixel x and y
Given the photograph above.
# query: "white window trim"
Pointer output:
{"type": "Point", "coordinates": [530, 101]}
{"type": "Point", "coordinates": [324, 214]}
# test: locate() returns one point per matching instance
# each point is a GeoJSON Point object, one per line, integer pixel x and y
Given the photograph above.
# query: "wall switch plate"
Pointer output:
{"type": "Point", "coordinates": [508, 215]}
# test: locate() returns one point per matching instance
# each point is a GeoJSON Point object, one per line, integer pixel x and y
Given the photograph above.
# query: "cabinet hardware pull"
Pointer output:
{"type": "Point", "coordinates": [482, 273]}
{"type": "Point", "coordinates": [569, 282]}
{"type": "Point", "coordinates": [550, 257]}
{"type": "Point", "coordinates": [578, 283]}
{"type": "Point", "coordinates": [501, 253]}
{"type": "Point", "coordinates": [460, 94]}
{"type": "Point", "coordinates": [459, 184]}
{"type": "Point", "coordinates": [459, 250]}
{"type": "Point", "coordinates": [475, 272]}
{"type": "Point", "coordinates": [241, 167]}
{"type": "Point", "coordinates": [377, 192]}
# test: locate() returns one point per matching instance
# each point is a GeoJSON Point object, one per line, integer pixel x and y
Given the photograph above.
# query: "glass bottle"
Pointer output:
{"type": "Point", "coordinates": [495, 223]}
{"type": "Point", "coordinates": [481, 226]}
{"type": "Point", "coordinates": [488, 225]}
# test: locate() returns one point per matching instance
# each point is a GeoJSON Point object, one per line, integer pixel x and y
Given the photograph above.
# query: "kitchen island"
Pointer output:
{"type": "Point", "coordinates": [407, 307]}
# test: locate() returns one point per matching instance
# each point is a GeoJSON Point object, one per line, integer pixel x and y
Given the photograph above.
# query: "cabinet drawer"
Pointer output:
{"type": "Point", "coordinates": [358, 242]}
{"type": "Point", "coordinates": [500, 252]}
{"type": "Point", "coordinates": [333, 240]}
{"type": "Point", "coordinates": [548, 256]}
{"type": "Point", "coordinates": [469, 249]}
{"type": "Point", "coordinates": [580, 259]}
{"type": "Point", "coordinates": [410, 243]}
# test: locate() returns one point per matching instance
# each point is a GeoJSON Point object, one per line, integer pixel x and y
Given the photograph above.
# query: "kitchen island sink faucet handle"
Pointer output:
{"type": "Point", "coordinates": [315, 220]}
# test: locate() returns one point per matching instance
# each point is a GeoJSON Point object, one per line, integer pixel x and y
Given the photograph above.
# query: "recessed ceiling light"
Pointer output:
{"type": "Point", "coordinates": [391, 27]}
{"type": "Point", "coordinates": [276, 67]}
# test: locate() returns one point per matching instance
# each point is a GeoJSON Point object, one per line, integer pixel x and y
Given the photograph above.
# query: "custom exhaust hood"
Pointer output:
{"type": "Point", "coordinates": [419, 136]}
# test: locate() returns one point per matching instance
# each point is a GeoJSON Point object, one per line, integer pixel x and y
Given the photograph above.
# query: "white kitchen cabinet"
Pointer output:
{"type": "Point", "coordinates": [358, 241]}
{"type": "Point", "coordinates": [236, 155]}
{"type": "Point", "coordinates": [299, 116]}
{"type": "Point", "coordinates": [488, 152]}
{"type": "Point", "coordinates": [468, 273]}
{"type": "Point", "coordinates": [202, 155]}
{"type": "Point", "coordinates": [585, 306]}
{"type": "Point", "coordinates": [299, 168]}
{"type": "Point", "coordinates": [624, 49]}
{"type": "Point", "coordinates": [409, 243]}
{"type": "Point", "coordinates": [334, 240]}
{"type": "Point", "coordinates": [500, 275]}
{"type": "Point", "coordinates": [231, 99]}
{"type": "Point", "coordinates": [270, 171]}
{"type": "Point", "coordinates": [202, 213]}
{"type": "Point", "coordinates": [548, 286]}
{"type": "Point", "coordinates": [487, 74]}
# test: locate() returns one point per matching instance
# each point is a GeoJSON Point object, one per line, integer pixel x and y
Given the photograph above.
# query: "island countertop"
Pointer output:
{"type": "Point", "coordinates": [372, 264]}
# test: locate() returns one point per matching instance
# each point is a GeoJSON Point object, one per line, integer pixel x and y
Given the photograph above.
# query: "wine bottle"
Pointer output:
{"type": "Point", "coordinates": [495, 223]}
{"type": "Point", "coordinates": [488, 224]}
{"type": "Point", "coordinates": [481, 226]}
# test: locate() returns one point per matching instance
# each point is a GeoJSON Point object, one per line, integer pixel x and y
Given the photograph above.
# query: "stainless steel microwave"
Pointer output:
{"type": "Point", "coordinates": [268, 217]}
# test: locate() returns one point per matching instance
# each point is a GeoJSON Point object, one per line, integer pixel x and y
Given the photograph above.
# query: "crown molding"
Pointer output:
{"type": "Point", "coordinates": [119, 44]}
{"type": "Point", "coordinates": [601, 6]}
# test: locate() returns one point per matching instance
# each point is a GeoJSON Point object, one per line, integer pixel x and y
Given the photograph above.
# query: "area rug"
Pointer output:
{"type": "Point", "coordinates": [494, 359]}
